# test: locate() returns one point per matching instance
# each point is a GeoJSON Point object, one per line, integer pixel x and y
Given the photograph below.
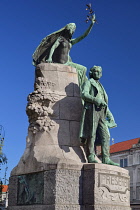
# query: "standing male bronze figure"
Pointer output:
{"type": "Point", "coordinates": [96, 118]}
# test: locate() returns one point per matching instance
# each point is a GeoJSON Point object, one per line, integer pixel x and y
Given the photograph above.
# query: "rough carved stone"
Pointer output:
{"type": "Point", "coordinates": [13, 188]}
{"type": "Point", "coordinates": [39, 107]}
{"type": "Point", "coordinates": [98, 207]}
{"type": "Point", "coordinates": [47, 207]}
{"type": "Point", "coordinates": [63, 186]}
{"type": "Point", "coordinates": [106, 185]}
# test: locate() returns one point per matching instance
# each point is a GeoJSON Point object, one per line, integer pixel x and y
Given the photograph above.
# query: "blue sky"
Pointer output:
{"type": "Point", "coordinates": [114, 43]}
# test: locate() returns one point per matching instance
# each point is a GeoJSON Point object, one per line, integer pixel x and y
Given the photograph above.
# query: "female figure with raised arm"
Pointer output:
{"type": "Point", "coordinates": [55, 48]}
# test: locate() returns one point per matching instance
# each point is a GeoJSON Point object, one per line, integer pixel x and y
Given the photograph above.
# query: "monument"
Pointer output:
{"type": "Point", "coordinates": [54, 173]}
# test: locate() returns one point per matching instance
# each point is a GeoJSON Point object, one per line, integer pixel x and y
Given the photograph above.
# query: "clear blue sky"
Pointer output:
{"type": "Point", "coordinates": [114, 43]}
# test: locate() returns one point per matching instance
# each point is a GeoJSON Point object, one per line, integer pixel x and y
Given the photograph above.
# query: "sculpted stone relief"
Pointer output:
{"type": "Point", "coordinates": [39, 107]}
{"type": "Point", "coordinates": [103, 194]}
{"type": "Point", "coordinates": [111, 208]}
{"type": "Point", "coordinates": [114, 183]}
{"type": "Point", "coordinates": [112, 188]}
{"type": "Point", "coordinates": [30, 188]}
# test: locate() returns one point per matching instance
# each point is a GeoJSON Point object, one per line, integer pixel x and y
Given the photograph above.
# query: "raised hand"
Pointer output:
{"type": "Point", "coordinates": [93, 19]}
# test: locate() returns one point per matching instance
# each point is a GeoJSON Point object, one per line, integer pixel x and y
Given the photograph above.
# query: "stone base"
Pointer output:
{"type": "Point", "coordinates": [67, 207]}
{"type": "Point", "coordinates": [71, 187]}
{"type": "Point", "coordinates": [47, 207]}
{"type": "Point", "coordinates": [105, 187]}
{"type": "Point", "coordinates": [52, 173]}
{"type": "Point", "coordinates": [60, 187]}
{"type": "Point", "coordinates": [105, 207]}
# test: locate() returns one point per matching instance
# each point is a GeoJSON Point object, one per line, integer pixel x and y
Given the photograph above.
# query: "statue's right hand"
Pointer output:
{"type": "Point", "coordinates": [100, 103]}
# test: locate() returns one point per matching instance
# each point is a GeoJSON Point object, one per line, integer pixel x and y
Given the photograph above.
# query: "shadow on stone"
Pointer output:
{"type": "Point", "coordinates": [68, 119]}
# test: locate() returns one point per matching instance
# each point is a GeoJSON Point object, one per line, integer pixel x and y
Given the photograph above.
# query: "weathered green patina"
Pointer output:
{"type": "Point", "coordinates": [55, 48]}
{"type": "Point", "coordinates": [30, 189]}
{"type": "Point", "coordinates": [96, 118]}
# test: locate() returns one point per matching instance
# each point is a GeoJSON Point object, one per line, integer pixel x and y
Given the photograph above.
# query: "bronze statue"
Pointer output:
{"type": "Point", "coordinates": [96, 118]}
{"type": "Point", "coordinates": [55, 48]}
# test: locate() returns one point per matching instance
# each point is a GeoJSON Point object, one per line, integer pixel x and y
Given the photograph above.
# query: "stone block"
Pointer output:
{"type": "Point", "coordinates": [68, 207]}
{"type": "Point", "coordinates": [68, 187]}
{"type": "Point", "coordinates": [55, 67]}
{"type": "Point", "coordinates": [66, 85]}
{"type": "Point", "coordinates": [46, 207]}
{"type": "Point", "coordinates": [104, 207]}
{"type": "Point", "coordinates": [106, 185]}
{"type": "Point", "coordinates": [73, 153]}
{"type": "Point", "coordinates": [32, 207]}
{"type": "Point", "coordinates": [58, 135]}
{"type": "Point", "coordinates": [49, 187]}
{"type": "Point", "coordinates": [59, 78]}
{"type": "Point", "coordinates": [70, 108]}
{"type": "Point", "coordinates": [63, 134]}
{"type": "Point", "coordinates": [56, 110]}
{"type": "Point", "coordinates": [13, 189]}
{"type": "Point", "coordinates": [74, 133]}
{"type": "Point", "coordinates": [49, 81]}
{"type": "Point", "coordinates": [76, 90]}
{"type": "Point", "coordinates": [53, 154]}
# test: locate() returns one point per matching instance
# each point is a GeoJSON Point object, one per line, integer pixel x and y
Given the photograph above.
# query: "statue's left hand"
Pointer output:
{"type": "Point", "coordinates": [111, 123]}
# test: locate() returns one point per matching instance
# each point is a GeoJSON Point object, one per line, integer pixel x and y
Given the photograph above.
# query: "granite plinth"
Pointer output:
{"type": "Point", "coordinates": [106, 187]}
{"type": "Point", "coordinates": [61, 189]}
{"type": "Point", "coordinates": [79, 187]}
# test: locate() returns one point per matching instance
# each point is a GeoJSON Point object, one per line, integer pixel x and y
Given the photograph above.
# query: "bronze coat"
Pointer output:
{"type": "Point", "coordinates": [89, 93]}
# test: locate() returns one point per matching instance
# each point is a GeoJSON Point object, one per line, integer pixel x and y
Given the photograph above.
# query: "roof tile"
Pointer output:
{"type": "Point", "coordinates": [4, 188]}
{"type": "Point", "coordinates": [124, 145]}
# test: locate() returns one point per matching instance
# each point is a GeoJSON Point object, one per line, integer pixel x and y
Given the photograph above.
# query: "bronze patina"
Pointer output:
{"type": "Point", "coordinates": [96, 118]}
{"type": "Point", "coordinates": [55, 48]}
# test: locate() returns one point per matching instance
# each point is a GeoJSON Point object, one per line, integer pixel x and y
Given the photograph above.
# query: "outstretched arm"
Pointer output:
{"type": "Point", "coordinates": [74, 41]}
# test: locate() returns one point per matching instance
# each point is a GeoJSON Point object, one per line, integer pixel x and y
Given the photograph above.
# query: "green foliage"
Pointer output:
{"type": "Point", "coordinates": [3, 159]}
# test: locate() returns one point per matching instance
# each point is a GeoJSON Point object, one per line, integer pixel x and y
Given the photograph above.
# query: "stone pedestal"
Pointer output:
{"type": "Point", "coordinates": [105, 187]}
{"type": "Point", "coordinates": [53, 173]}
{"type": "Point", "coordinates": [71, 187]}
{"type": "Point", "coordinates": [59, 187]}
{"type": "Point", "coordinates": [54, 112]}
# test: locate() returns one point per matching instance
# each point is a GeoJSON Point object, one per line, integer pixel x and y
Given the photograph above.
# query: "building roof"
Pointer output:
{"type": "Point", "coordinates": [4, 188]}
{"type": "Point", "coordinates": [124, 145]}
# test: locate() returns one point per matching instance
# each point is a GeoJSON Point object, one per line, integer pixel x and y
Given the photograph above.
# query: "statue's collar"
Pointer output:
{"type": "Point", "coordinates": [94, 82]}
